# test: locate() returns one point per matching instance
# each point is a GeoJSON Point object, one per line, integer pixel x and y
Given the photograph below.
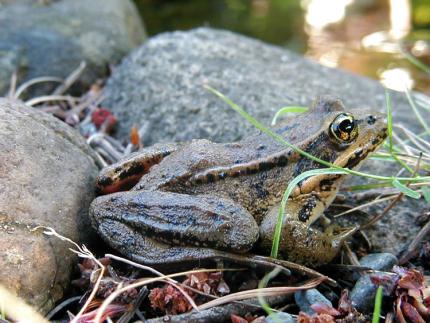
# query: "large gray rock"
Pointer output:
{"type": "Point", "coordinates": [159, 87]}
{"type": "Point", "coordinates": [52, 39]}
{"type": "Point", "coordinates": [47, 174]}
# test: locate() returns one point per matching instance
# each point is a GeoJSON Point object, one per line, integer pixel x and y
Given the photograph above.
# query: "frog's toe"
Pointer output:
{"type": "Point", "coordinates": [340, 237]}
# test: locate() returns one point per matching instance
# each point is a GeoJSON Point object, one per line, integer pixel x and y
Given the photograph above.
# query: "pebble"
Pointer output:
{"type": "Point", "coordinates": [305, 299]}
{"type": "Point", "coordinates": [280, 317]}
{"type": "Point", "coordinates": [363, 293]}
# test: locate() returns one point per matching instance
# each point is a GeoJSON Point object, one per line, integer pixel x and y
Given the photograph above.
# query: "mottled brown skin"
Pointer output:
{"type": "Point", "coordinates": [202, 198]}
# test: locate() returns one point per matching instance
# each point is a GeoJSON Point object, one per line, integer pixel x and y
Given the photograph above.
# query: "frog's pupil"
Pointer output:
{"type": "Point", "coordinates": [346, 126]}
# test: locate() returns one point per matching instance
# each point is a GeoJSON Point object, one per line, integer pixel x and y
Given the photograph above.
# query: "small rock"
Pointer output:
{"type": "Point", "coordinates": [363, 294]}
{"type": "Point", "coordinates": [52, 39]}
{"type": "Point", "coordinates": [280, 317]}
{"type": "Point", "coordinates": [379, 261]}
{"type": "Point", "coordinates": [306, 298]}
{"type": "Point", "coordinates": [47, 174]}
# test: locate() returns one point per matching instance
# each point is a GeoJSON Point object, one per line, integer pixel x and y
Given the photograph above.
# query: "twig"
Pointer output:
{"type": "Point", "coordinates": [24, 86]}
{"type": "Point", "coordinates": [135, 306]}
{"type": "Point", "coordinates": [414, 244]}
{"type": "Point", "coordinates": [12, 88]}
{"type": "Point", "coordinates": [61, 306]}
{"type": "Point", "coordinates": [70, 79]}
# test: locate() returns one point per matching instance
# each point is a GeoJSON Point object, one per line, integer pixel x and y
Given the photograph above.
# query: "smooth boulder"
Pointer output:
{"type": "Point", "coordinates": [159, 88]}
{"type": "Point", "coordinates": [47, 174]}
{"type": "Point", "coordinates": [51, 38]}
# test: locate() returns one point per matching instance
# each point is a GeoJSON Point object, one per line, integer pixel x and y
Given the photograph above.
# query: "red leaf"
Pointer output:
{"type": "Point", "coordinates": [237, 319]}
{"type": "Point", "coordinates": [411, 313]}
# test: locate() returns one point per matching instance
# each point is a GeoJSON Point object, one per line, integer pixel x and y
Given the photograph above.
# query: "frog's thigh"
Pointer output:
{"type": "Point", "coordinates": [179, 219]}
{"type": "Point", "coordinates": [298, 242]}
{"type": "Point", "coordinates": [127, 172]}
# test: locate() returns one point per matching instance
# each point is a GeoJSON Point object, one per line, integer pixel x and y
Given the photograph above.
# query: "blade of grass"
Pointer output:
{"type": "Point", "coordinates": [281, 140]}
{"type": "Point", "coordinates": [263, 284]}
{"type": "Point", "coordinates": [389, 121]}
{"type": "Point", "coordinates": [426, 193]}
{"type": "Point", "coordinates": [415, 61]}
{"type": "Point", "coordinates": [285, 110]}
{"type": "Point", "coordinates": [378, 305]}
{"type": "Point", "coordinates": [405, 190]}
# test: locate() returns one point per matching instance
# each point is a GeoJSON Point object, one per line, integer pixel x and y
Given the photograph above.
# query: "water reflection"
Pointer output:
{"type": "Point", "coordinates": [361, 36]}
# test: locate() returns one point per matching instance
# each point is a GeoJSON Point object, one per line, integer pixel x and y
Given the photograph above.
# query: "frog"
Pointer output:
{"type": "Point", "coordinates": [177, 202]}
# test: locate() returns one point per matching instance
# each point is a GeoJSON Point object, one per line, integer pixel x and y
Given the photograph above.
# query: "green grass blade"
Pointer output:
{"type": "Point", "coordinates": [405, 190]}
{"type": "Point", "coordinates": [289, 109]}
{"type": "Point", "coordinates": [415, 61]}
{"type": "Point", "coordinates": [277, 235]}
{"type": "Point", "coordinates": [426, 193]}
{"type": "Point", "coordinates": [378, 305]}
{"type": "Point", "coordinates": [389, 120]}
{"type": "Point", "coordinates": [262, 284]}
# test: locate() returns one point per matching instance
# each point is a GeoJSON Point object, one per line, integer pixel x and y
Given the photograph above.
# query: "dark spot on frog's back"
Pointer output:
{"type": "Point", "coordinates": [104, 181]}
{"type": "Point", "coordinates": [134, 169]}
{"type": "Point", "coordinates": [355, 159]}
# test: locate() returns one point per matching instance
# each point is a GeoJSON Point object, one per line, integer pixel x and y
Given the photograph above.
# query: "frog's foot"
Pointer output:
{"type": "Point", "coordinates": [124, 174]}
{"type": "Point", "coordinates": [302, 244]}
{"type": "Point", "coordinates": [176, 220]}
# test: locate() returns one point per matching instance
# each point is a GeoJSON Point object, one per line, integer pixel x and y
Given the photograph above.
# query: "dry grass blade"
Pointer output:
{"type": "Point", "coordinates": [264, 292]}
{"type": "Point", "coordinates": [24, 86]}
{"type": "Point", "coordinates": [362, 206]}
{"type": "Point", "coordinates": [418, 141]}
{"type": "Point", "coordinates": [414, 244]}
{"type": "Point", "coordinates": [170, 281]}
{"type": "Point", "coordinates": [50, 98]}
{"type": "Point", "coordinates": [72, 78]}
{"type": "Point", "coordinates": [17, 309]}
{"type": "Point", "coordinates": [83, 252]}
{"type": "Point", "coordinates": [12, 87]}
{"type": "Point", "coordinates": [141, 283]}
{"type": "Point", "coordinates": [391, 205]}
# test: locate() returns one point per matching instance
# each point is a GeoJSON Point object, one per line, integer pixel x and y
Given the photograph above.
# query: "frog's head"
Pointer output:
{"type": "Point", "coordinates": [342, 137]}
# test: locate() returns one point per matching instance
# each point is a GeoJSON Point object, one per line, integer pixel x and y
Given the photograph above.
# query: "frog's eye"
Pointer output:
{"type": "Point", "coordinates": [344, 128]}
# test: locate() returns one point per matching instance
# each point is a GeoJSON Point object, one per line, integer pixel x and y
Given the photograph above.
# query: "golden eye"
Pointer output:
{"type": "Point", "coordinates": [344, 128]}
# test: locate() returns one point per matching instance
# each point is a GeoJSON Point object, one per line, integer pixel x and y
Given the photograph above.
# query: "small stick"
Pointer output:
{"type": "Point", "coordinates": [391, 205]}
{"type": "Point", "coordinates": [12, 87]}
{"type": "Point", "coordinates": [70, 79]}
{"type": "Point", "coordinates": [414, 244]}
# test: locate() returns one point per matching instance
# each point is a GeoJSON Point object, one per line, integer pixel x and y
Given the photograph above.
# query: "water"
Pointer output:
{"type": "Point", "coordinates": [361, 36]}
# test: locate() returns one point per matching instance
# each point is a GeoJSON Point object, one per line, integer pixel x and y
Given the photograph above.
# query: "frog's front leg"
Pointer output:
{"type": "Point", "coordinates": [155, 226]}
{"type": "Point", "coordinates": [299, 242]}
{"type": "Point", "coordinates": [124, 174]}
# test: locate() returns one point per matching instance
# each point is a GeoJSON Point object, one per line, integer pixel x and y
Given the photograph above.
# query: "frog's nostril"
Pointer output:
{"type": "Point", "coordinates": [370, 119]}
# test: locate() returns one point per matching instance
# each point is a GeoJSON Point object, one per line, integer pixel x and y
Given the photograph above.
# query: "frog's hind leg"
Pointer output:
{"type": "Point", "coordinates": [176, 220]}
{"type": "Point", "coordinates": [124, 174]}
